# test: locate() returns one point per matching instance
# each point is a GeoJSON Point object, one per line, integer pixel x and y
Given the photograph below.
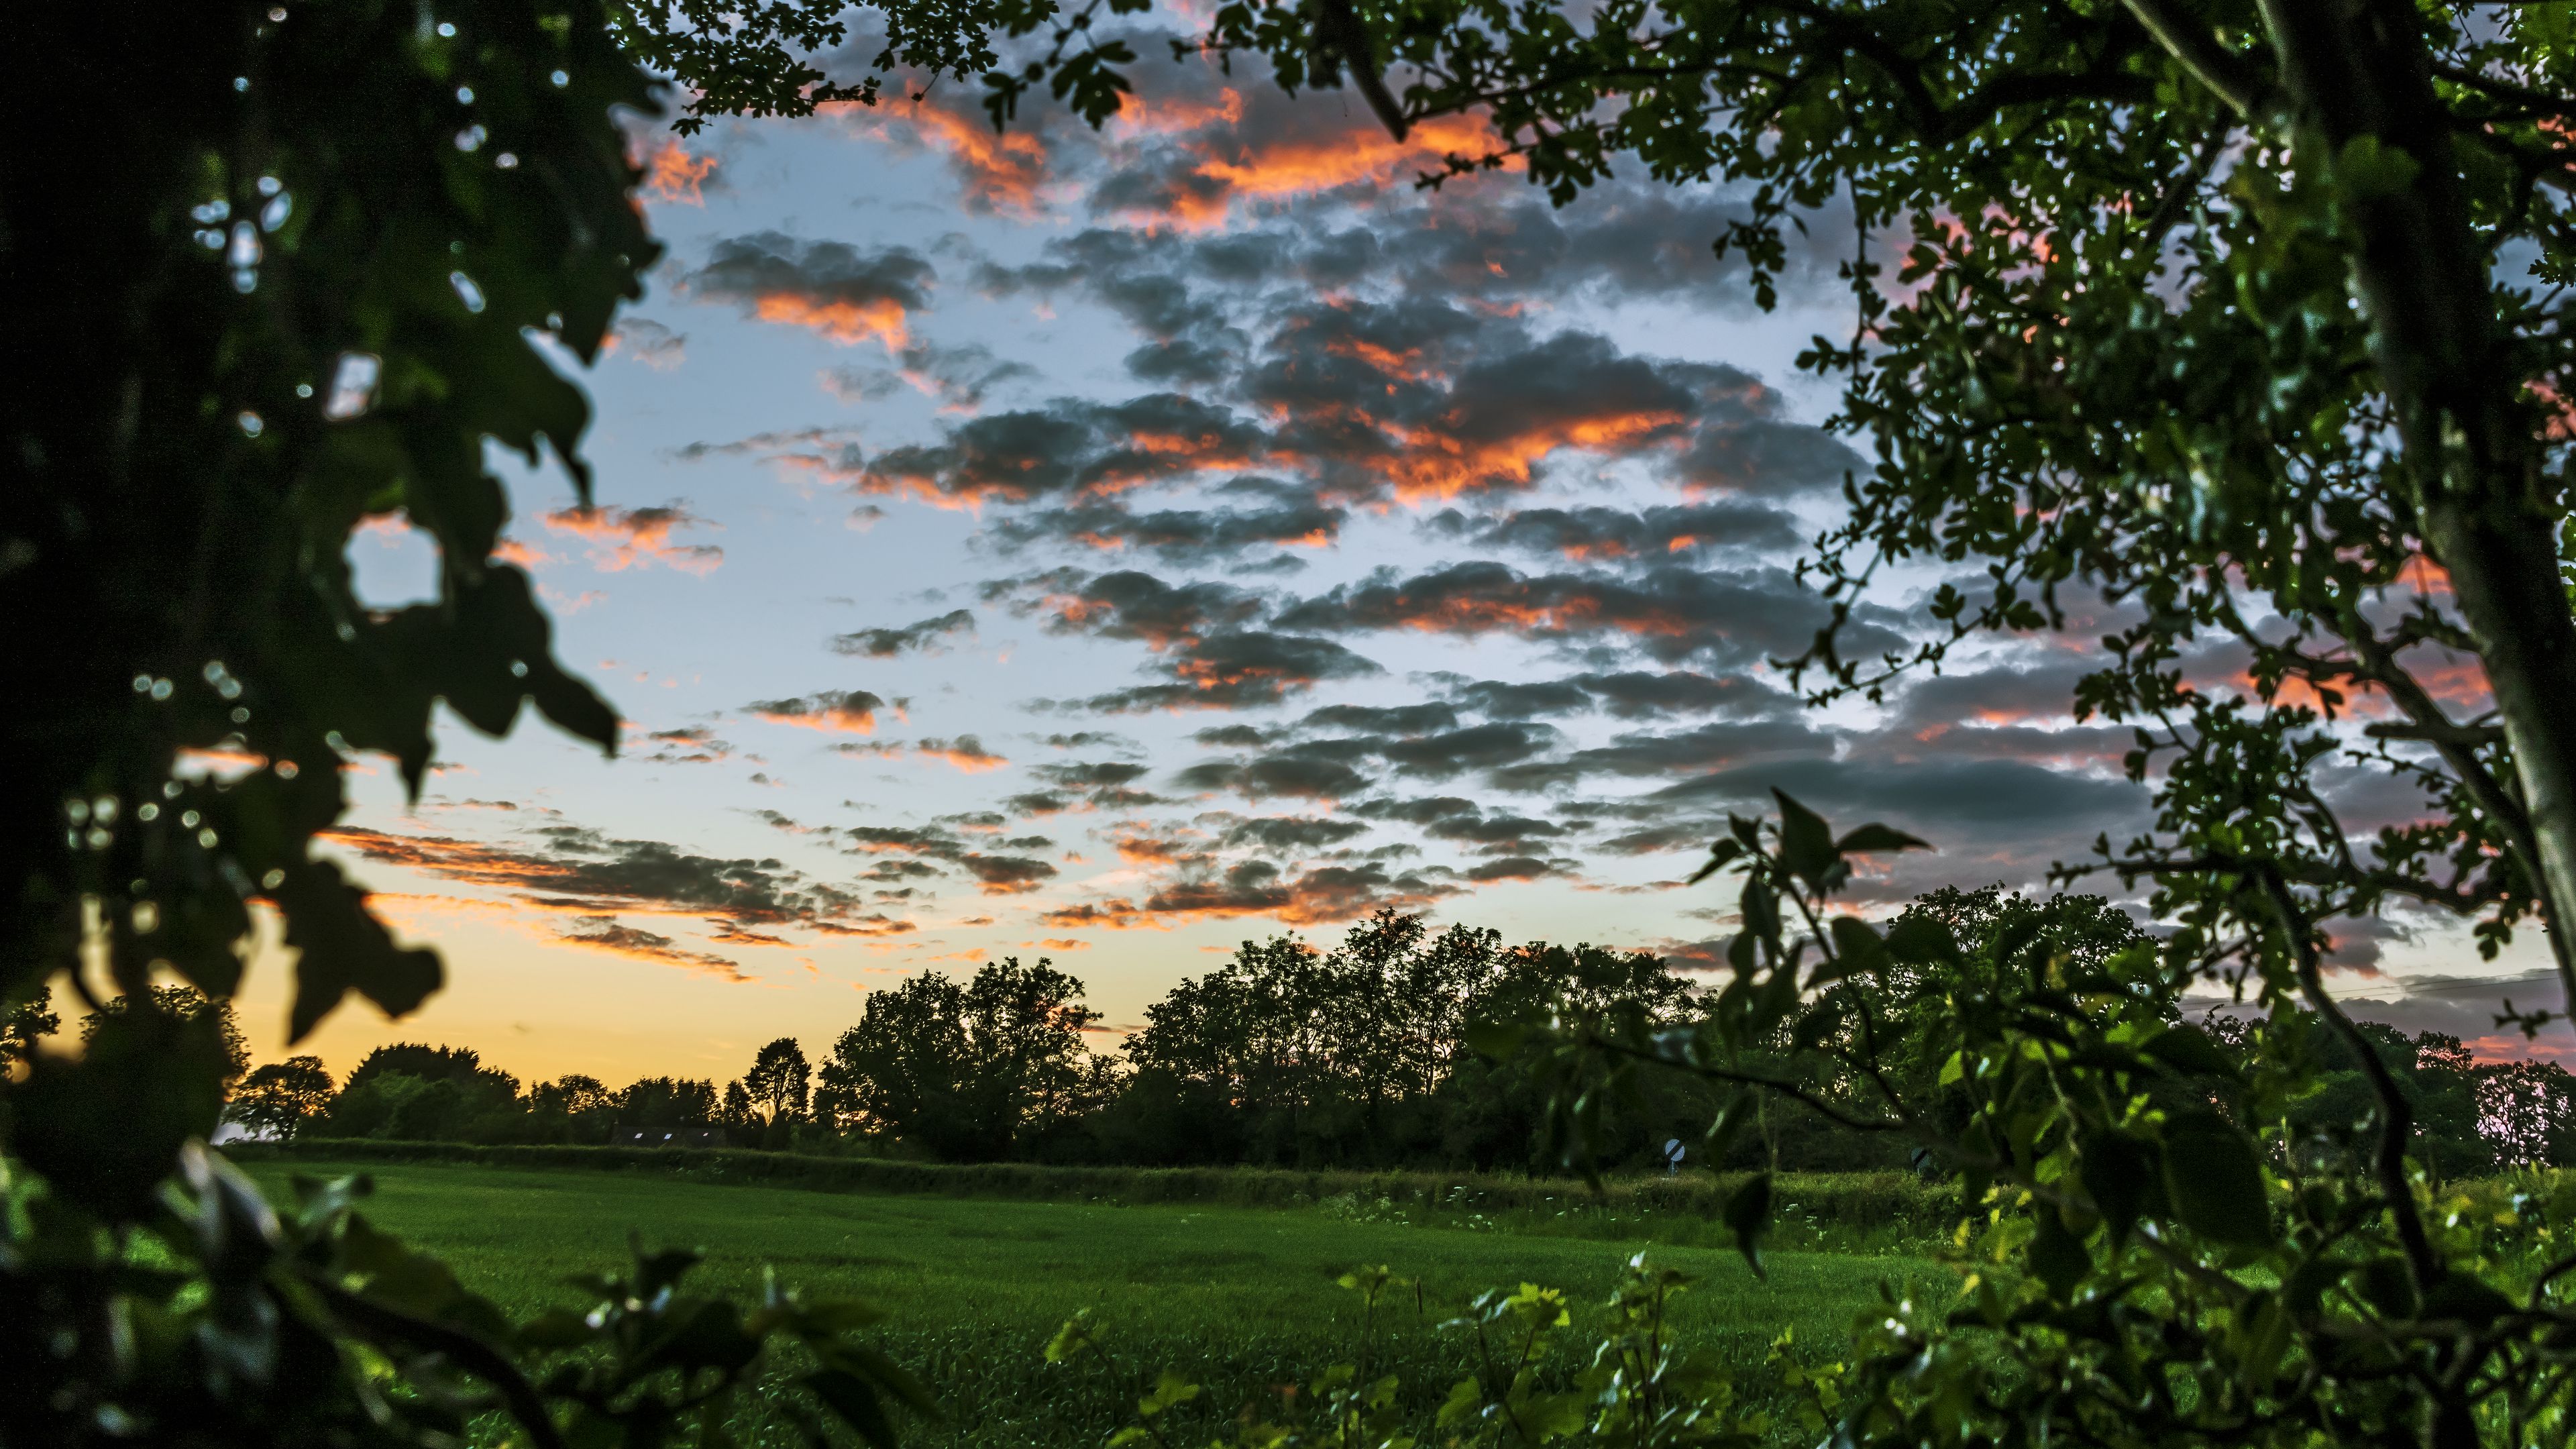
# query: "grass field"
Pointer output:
{"type": "Point", "coordinates": [1240, 1299]}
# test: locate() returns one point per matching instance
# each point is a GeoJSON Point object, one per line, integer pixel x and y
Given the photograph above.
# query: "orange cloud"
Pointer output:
{"type": "Point", "coordinates": [1137, 848]}
{"type": "Point", "coordinates": [1116, 915]}
{"type": "Point", "coordinates": [852, 712]}
{"type": "Point", "coordinates": [672, 174]}
{"type": "Point", "coordinates": [1231, 169]}
{"type": "Point", "coordinates": [625, 537]}
{"type": "Point", "coordinates": [844, 322]}
{"type": "Point", "coordinates": [878, 924]}
{"type": "Point", "coordinates": [1434, 466]}
{"type": "Point", "coordinates": [965, 752]}
{"type": "Point", "coordinates": [605, 933]}
{"type": "Point", "coordinates": [583, 874]}
{"type": "Point", "coordinates": [1004, 169]}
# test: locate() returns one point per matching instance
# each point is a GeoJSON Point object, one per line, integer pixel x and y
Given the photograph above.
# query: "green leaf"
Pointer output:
{"type": "Point", "coordinates": [1748, 1216]}
{"type": "Point", "coordinates": [1806, 845]}
{"type": "Point", "coordinates": [554, 1329]}
{"type": "Point", "coordinates": [708, 1335]}
{"type": "Point", "coordinates": [1543, 1417]}
{"type": "Point", "coordinates": [2268, 1330]}
{"type": "Point", "coordinates": [2214, 1180]}
{"type": "Point", "coordinates": [2057, 1257]}
{"type": "Point", "coordinates": [856, 1402]}
{"type": "Point", "coordinates": [2308, 1283]}
{"type": "Point", "coordinates": [2119, 1174]}
{"type": "Point", "coordinates": [2387, 1285]}
{"type": "Point", "coordinates": [1761, 907]}
{"type": "Point", "coordinates": [1859, 950]}
{"type": "Point", "coordinates": [1730, 1123]}
{"type": "Point", "coordinates": [1170, 1391]}
{"type": "Point", "coordinates": [656, 1271]}
{"type": "Point", "coordinates": [1877, 839]}
{"type": "Point", "coordinates": [1720, 855]}
{"type": "Point", "coordinates": [2468, 1298]}
{"type": "Point", "coordinates": [1070, 1339]}
{"type": "Point", "coordinates": [1919, 939]}
{"type": "Point", "coordinates": [1498, 1040]}
{"type": "Point", "coordinates": [2188, 1049]}
{"type": "Point", "coordinates": [342, 947]}
{"type": "Point", "coordinates": [1466, 1399]}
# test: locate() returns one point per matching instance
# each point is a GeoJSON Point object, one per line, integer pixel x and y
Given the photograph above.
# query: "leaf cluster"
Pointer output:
{"type": "Point", "coordinates": [2157, 1254]}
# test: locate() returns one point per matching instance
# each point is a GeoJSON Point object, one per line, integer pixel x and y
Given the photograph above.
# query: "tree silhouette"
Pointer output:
{"type": "Point", "coordinates": [33, 1018]}
{"type": "Point", "coordinates": [967, 1068]}
{"type": "Point", "coordinates": [777, 1083]}
{"type": "Point", "coordinates": [187, 1007]}
{"type": "Point", "coordinates": [279, 1098]}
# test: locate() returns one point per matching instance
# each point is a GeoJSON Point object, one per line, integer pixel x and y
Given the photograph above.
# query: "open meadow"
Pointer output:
{"type": "Point", "coordinates": [1240, 1299]}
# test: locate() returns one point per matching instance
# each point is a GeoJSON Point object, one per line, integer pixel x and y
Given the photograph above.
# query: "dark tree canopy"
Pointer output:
{"type": "Point", "coordinates": [311, 260]}
{"type": "Point", "coordinates": [965, 1067]}
{"type": "Point", "coordinates": [277, 1099]}
{"type": "Point", "coordinates": [779, 1081]}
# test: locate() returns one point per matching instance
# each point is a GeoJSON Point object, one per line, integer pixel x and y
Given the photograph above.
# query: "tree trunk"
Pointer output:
{"type": "Point", "coordinates": [2487, 513]}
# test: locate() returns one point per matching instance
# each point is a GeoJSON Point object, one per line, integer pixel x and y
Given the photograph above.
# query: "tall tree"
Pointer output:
{"type": "Point", "coordinates": [737, 1113]}
{"type": "Point", "coordinates": [417, 1059]}
{"type": "Point", "coordinates": [1336, 1055]}
{"type": "Point", "coordinates": [277, 1099]}
{"type": "Point", "coordinates": [966, 1068]}
{"type": "Point", "coordinates": [2528, 1111]}
{"type": "Point", "coordinates": [1024, 1029]}
{"type": "Point", "coordinates": [901, 1069]}
{"type": "Point", "coordinates": [184, 1007]}
{"type": "Point", "coordinates": [665, 1103]}
{"type": "Point", "coordinates": [779, 1082]}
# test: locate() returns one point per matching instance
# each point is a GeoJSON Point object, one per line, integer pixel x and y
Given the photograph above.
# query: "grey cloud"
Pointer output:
{"type": "Point", "coordinates": [1669, 613]}
{"type": "Point", "coordinates": [817, 277]}
{"type": "Point", "coordinates": [1595, 532]}
{"type": "Point", "coordinates": [919, 635]}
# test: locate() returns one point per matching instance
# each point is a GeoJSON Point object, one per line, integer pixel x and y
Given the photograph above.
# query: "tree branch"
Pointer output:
{"type": "Point", "coordinates": [1340, 27]}
{"type": "Point", "coordinates": [2223, 73]}
{"type": "Point", "coordinates": [472, 1354]}
{"type": "Point", "coordinates": [1749, 1079]}
{"type": "Point", "coordinates": [2503, 90]}
{"type": "Point", "coordinates": [2178, 192]}
{"type": "Point", "coordinates": [2396, 1116]}
{"type": "Point", "coordinates": [2439, 732]}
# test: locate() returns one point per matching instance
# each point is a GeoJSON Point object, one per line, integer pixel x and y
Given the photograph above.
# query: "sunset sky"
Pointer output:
{"type": "Point", "coordinates": [1111, 546]}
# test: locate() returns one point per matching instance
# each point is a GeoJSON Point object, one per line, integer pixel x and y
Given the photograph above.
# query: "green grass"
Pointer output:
{"type": "Point", "coordinates": [1240, 1299]}
{"type": "Point", "coordinates": [1870, 1213]}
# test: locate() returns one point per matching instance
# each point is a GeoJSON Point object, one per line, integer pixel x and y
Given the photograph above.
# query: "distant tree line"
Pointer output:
{"type": "Point", "coordinates": [1292, 1055]}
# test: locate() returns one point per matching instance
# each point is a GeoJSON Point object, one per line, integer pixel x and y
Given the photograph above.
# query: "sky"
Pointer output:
{"type": "Point", "coordinates": [1113, 546]}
